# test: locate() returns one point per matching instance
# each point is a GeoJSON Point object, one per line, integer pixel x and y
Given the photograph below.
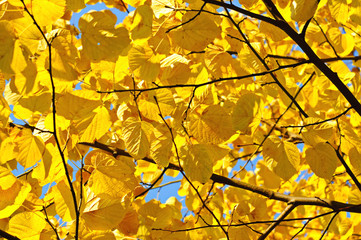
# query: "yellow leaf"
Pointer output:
{"type": "Point", "coordinates": [13, 193]}
{"type": "Point", "coordinates": [266, 177]}
{"type": "Point", "coordinates": [196, 34]}
{"type": "Point", "coordinates": [77, 105]}
{"type": "Point", "coordinates": [302, 10]}
{"type": "Point", "coordinates": [355, 160]}
{"type": "Point", "coordinates": [339, 10]}
{"type": "Point", "coordinates": [355, 13]}
{"type": "Point", "coordinates": [63, 199]}
{"type": "Point", "coordinates": [149, 108]}
{"type": "Point", "coordinates": [135, 135]}
{"type": "Point", "coordinates": [214, 126]}
{"type": "Point", "coordinates": [113, 180]}
{"type": "Point", "coordinates": [27, 225]}
{"type": "Point", "coordinates": [99, 37]}
{"type": "Point", "coordinates": [4, 111]}
{"type": "Point", "coordinates": [322, 160]}
{"type": "Point", "coordinates": [281, 157]}
{"type": "Point", "coordinates": [130, 223]}
{"type": "Point", "coordinates": [30, 148]}
{"type": "Point", "coordinates": [163, 7]}
{"type": "Point", "coordinates": [247, 107]}
{"type": "Point", "coordinates": [12, 58]}
{"type": "Point", "coordinates": [45, 12]}
{"type": "Point", "coordinates": [161, 146]}
{"type": "Point", "coordinates": [64, 56]}
{"type": "Point", "coordinates": [103, 214]}
{"type": "Point", "coordinates": [144, 63]}
{"type": "Point", "coordinates": [272, 31]}
{"type": "Point", "coordinates": [197, 162]}
{"type": "Point", "coordinates": [27, 106]}
{"type": "Point", "coordinates": [247, 3]}
{"type": "Point", "coordinates": [316, 133]}
{"type": "Point", "coordinates": [142, 23]}
{"type": "Point", "coordinates": [99, 125]}
{"type": "Point", "coordinates": [175, 69]}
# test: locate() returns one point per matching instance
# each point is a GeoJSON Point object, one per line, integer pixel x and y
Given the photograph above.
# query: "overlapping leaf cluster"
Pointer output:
{"type": "Point", "coordinates": [98, 115]}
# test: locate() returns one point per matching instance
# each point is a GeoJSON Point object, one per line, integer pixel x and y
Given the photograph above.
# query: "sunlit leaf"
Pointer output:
{"type": "Point", "coordinates": [322, 160]}
{"type": "Point", "coordinates": [281, 157]}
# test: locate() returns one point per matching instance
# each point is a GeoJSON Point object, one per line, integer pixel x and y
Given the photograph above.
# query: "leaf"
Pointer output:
{"type": "Point", "coordinates": [27, 225]}
{"type": "Point", "coordinates": [13, 193]}
{"type": "Point", "coordinates": [266, 177]}
{"type": "Point", "coordinates": [103, 214]}
{"type": "Point", "coordinates": [339, 10]}
{"type": "Point", "coordinates": [77, 105]}
{"type": "Point", "coordinates": [196, 34]}
{"type": "Point", "coordinates": [112, 181]}
{"type": "Point", "coordinates": [322, 160]}
{"type": "Point", "coordinates": [163, 7]}
{"type": "Point", "coordinates": [27, 106]}
{"type": "Point", "coordinates": [149, 107]}
{"type": "Point", "coordinates": [30, 148]}
{"type": "Point", "coordinates": [316, 133]}
{"type": "Point", "coordinates": [13, 58]}
{"type": "Point", "coordinates": [99, 37]}
{"type": "Point", "coordinates": [245, 110]}
{"type": "Point", "coordinates": [281, 157]}
{"type": "Point", "coordinates": [214, 126]}
{"type": "Point", "coordinates": [197, 162]}
{"type": "Point", "coordinates": [142, 23]}
{"type": "Point", "coordinates": [302, 10]}
{"type": "Point", "coordinates": [275, 33]}
{"type": "Point", "coordinates": [45, 12]}
{"type": "Point", "coordinates": [135, 135]}
{"type": "Point", "coordinates": [98, 126]}
{"type": "Point", "coordinates": [144, 63]}
{"type": "Point", "coordinates": [355, 12]}
{"type": "Point", "coordinates": [4, 111]}
{"type": "Point", "coordinates": [161, 146]}
{"type": "Point", "coordinates": [63, 199]}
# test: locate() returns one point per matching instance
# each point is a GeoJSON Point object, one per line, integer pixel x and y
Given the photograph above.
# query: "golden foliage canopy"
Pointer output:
{"type": "Point", "coordinates": [249, 109]}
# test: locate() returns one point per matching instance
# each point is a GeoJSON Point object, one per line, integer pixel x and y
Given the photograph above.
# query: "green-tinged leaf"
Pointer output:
{"type": "Point", "coordinates": [322, 160]}
{"type": "Point", "coordinates": [281, 157]}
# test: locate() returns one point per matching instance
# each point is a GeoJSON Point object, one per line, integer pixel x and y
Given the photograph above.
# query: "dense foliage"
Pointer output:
{"type": "Point", "coordinates": [254, 105]}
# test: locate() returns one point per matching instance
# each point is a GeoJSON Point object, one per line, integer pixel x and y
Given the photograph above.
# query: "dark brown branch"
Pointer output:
{"type": "Point", "coordinates": [8, 236]}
